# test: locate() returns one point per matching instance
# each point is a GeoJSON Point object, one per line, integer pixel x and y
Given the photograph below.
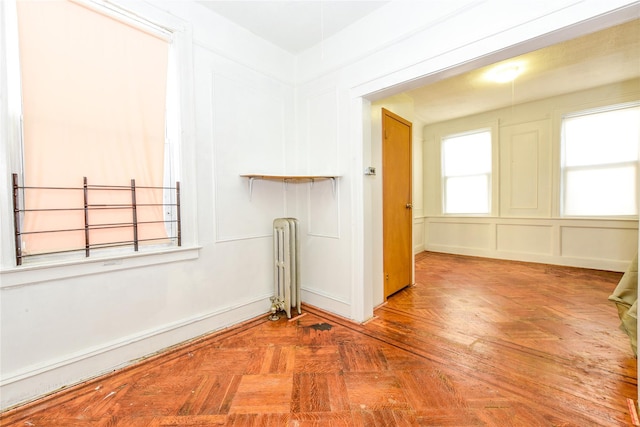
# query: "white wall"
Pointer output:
{"type": "Point", "coordinates": [256, 107]}
{"type": "Point", "coordinates": [323, 217]}
{"type": "Point", "coordinates": [62, 324]}
{"type": "Point", "coordinates": [377, 58]}
{"type": "Point", "coordinates": [526, 224]}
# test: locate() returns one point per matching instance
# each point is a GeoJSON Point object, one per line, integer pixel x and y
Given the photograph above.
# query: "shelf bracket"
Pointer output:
{"type": "Point", "coordinates": [333, 184]}
{"type": "Point", "coordinates": [251, 178]}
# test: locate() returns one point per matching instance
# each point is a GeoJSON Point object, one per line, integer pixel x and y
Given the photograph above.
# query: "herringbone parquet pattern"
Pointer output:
{"type": "Point", "coordinates": [475, 342]}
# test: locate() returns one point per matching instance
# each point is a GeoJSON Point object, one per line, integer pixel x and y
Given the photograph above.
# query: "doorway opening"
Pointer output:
{"type": "Point", "coordinates": [566, 72]}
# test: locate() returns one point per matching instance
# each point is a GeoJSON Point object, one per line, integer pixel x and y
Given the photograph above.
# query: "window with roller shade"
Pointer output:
{"type": "Point", "coordinates": [100, 112]}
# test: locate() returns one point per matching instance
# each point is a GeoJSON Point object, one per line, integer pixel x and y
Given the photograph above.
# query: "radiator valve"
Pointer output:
{"type": "Point", "coordinates": [276, 305]}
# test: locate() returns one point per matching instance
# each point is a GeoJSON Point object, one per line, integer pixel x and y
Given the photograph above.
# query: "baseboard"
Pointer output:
{"type": "Point", "coordinates": [326, 302]}
{"type": "Point", "coordinates": [37, 381]}
{"type": "Point", "coordinates": [596, 264]}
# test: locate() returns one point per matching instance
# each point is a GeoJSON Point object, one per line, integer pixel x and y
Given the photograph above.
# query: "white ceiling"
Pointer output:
{"type": "Point", "coordinates": [293, 25]}
{"type": "Point", "coordinates": [608, 56]}
{"type": "Point", "coordinates": [597, 59]}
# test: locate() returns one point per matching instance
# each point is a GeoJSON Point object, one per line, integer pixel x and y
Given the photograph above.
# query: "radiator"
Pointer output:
{"type": "Point", "coordinates": [286, 272]}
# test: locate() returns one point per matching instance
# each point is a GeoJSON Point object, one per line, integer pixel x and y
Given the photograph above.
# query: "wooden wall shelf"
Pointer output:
{"type": "Point", "coordinates": [290, 178]}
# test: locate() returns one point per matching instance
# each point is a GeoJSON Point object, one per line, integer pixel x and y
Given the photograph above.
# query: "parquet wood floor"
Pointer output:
{"type": "Point", "coordinates": [475, 342]}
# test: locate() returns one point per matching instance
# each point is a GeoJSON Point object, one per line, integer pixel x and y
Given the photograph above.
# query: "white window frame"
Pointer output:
{"type": "Point", "coordinates": [490, 174]}
{"type": "Point", "coordinates": [601, 166]}
{"type": "Point", "coordinates": [179, 141]}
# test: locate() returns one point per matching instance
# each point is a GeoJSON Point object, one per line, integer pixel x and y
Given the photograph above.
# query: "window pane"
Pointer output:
{"type": "Point", "coordinates": [466, 169]}
{"type": "Point", "coordinates": [600, 154]}
{"type": "Point", "coordinates": [601, 192]}
{"type": "Point", "coordinates": [602, 138]}
{"type": "Point", "coordinates": [468, 194]}
{"type": "Point", "coordinates": [467, 154]}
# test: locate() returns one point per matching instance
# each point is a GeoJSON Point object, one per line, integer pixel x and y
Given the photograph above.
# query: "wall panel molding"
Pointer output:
{"type": "Point", "coordinates": [525, 158]}
{"type": "Point", "coordinates": [523, 164]}
{"type": "Point", "coordinates": [611, 243]}
{"type": "Point", "coordinates": [322, 121]}
{"type": "Point", "coordinates": [323, 204]}
{"type": "Point", "coordinates": [599, 244]}
{"type": "Point", "coordinates": [525, 238]}
{"type": "Point", "coordinates": [418, 235]}
{"type": "Point", "coordinates": [238, 214]}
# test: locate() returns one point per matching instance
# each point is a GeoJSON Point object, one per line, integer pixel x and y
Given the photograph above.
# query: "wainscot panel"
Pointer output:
{"type": "Point", "coordinates": [461, 234]}
{"type": "Point", "coordinates": [525, 238]}
{"type": "Point", "coordinates": [604, 244]}
{"type": "Point", "coordinates": [598, 243]}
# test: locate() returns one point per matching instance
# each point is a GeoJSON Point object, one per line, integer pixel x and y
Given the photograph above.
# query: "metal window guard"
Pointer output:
{"type": "Point", "coordinates": [18, 211]}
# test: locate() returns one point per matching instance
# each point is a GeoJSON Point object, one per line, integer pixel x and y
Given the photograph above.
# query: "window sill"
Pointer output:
{"type": "Point", "coordinates": [37, 273]}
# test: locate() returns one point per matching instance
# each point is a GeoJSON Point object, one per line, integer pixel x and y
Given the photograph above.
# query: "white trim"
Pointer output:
{"type": "Point", "coordinates": [129, 17]}
{"type": "Point", "coordinates": [28, 275]}
{"type": "Point", "coordinates": [10, 124]}
{"type": "Point", "coordinates": [361, 219]}
{"type": "Point", "coordinates": [592, 263]}
{"type": "Point", "coordinates": [553, 256]}
{"type": "Point", "coordinates": [418, 240]}
{"type": "Point", "coordinates": [601, 109]}
{"type": "Point", "coordinates": [560, 25]}
{"type": "Point", "coordinates": [565, 222]}
{"type": "Point", "coordinates": [36, 381]}
{"type": "Point", "coordinates": [240, 238]}
{"type": "Point", "coordinates": [327, 302]}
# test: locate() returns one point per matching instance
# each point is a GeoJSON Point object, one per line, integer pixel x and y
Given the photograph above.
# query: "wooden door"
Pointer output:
{"type": "Point", "coordinates": [397, 214]}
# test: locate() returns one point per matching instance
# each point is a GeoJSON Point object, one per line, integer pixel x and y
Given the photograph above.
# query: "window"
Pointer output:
{"type": "Point", "coordinates": [600, 162]}
{"type": "Point", "coordinates": [466, 172]}
{"type": "Point", "coordinates": [99, 111]}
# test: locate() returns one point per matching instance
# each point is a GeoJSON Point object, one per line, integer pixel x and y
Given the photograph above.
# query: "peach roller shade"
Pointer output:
{"type": "Point", "coordinates": [94, 98]}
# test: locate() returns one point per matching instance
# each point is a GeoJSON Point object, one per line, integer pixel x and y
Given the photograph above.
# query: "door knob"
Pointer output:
{"type": "Point", "coordinates": [409, 206]}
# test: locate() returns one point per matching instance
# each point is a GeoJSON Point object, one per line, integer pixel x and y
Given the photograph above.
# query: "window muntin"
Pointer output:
{"type": "Point", "coordinates": [466, 173]}
{"type": "Point", "coordinates": [600, 162]}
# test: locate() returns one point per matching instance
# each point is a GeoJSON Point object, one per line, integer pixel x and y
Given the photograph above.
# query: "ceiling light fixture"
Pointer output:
{"type": "Point", "coordinates": [505, 73]}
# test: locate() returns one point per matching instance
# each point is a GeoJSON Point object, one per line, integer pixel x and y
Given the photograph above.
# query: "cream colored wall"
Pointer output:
{"type": "Point", "coordinates": [67, 322]}
{"type": "Point", "coordinates": [525, 223]}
